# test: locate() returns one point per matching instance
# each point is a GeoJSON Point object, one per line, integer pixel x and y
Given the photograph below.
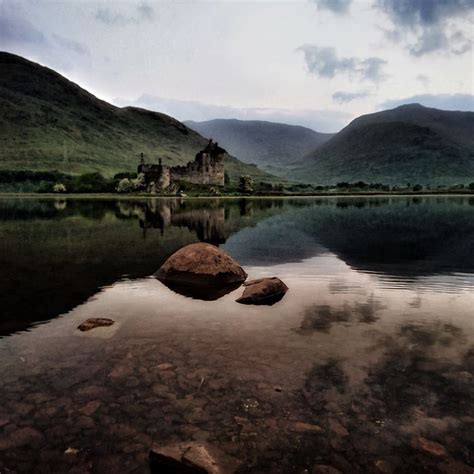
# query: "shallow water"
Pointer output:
{"type": "Point", "coordinates": [366, 365]}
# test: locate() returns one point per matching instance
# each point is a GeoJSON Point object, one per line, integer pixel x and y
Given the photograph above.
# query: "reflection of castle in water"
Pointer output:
{"type": "Point", "coordinates": [207, 222]}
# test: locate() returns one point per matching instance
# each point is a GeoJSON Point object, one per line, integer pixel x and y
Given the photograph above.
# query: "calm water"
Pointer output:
{"type": "Point", "coordinates": [366, 365]}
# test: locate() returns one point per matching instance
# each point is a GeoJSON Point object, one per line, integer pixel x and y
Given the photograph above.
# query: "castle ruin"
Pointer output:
{"type": "Point", "coordinates": [207, 168]}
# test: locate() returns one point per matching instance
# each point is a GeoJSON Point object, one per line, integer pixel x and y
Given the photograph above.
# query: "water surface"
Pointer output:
{"type": "Point", "coordinates": [366, 365]}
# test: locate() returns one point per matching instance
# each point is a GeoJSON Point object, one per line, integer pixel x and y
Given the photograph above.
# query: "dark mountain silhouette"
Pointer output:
{"type": "Point", "coordinates": [410, 143]}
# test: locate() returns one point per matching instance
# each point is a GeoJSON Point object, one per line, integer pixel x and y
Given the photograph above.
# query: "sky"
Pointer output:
{"type": "Point", "coordinates": [316, 63]}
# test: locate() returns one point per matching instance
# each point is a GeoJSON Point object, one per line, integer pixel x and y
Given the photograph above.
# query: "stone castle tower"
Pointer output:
{"type": "Point", "coordinates": [207, 168]}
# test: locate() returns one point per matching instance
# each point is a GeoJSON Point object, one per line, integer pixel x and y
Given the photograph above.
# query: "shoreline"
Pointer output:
{"type": "Point", "coordinates": [265, 196]}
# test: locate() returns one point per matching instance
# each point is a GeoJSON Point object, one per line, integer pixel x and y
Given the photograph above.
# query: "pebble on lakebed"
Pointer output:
{"type": "Point", "coordinates": [92, 323]}
{"type": "Point", "coordinates": [265, 291]}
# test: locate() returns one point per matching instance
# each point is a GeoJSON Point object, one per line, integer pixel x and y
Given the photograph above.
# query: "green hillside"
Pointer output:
{"type": "Point", "coordinates": [269, 145]}
{"type": "Point", "coordinates": [50, 123]}
{"type": "Point", "coordinates": [411, 143]}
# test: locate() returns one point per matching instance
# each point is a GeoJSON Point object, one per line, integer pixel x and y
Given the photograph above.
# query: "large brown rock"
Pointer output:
{"type": "Point", "coordinates": [191, 458]}
{"type": "Point", "coordinates": [201, 271]}
{"type": "Point", "coordinates": [265, 291]}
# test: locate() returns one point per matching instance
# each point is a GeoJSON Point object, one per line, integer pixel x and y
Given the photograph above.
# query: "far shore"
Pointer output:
{"type": "Point", "coordinates": [233, 196]}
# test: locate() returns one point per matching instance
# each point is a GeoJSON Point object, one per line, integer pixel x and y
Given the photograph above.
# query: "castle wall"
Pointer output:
{"type": "Point", "coordinates": [207, 169]}
{"type": "Point", "coordinates": [156, 176]}
{"type": "Point", "coordinates": [203, 170]}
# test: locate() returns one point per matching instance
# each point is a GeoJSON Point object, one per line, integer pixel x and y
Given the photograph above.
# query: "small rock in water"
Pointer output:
{"type": "Point", "coordinates": [265, 291]}
{"type": "Point", "coordinates": [301, 427]}
{"type": "Point", "coordinates": [92, 323]}
{"type": "Point", "coordinates": [431, 447]}
{"type": "Point", "coordinates": [165, 366]}
{"type": "Point", "coordinates": [325, 469]}
{"type": "Point", "coordinates": [71, 451]}
{"type": "Point", "coordinates": [21, 437]}
{"type": "Point", "coordinates": [191, 458]}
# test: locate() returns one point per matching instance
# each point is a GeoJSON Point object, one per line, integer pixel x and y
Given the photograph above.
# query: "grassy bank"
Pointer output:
{"type": "Point", "coordinates": [227, 196]}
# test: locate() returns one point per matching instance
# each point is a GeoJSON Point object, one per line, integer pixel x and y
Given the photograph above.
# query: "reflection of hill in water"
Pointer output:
{"type": "Point", "coordinates": [397, 236]}
{"type": "Point", "coordinates": [273, 241]}
{"type": "Point", "coordinates": [56, 254]}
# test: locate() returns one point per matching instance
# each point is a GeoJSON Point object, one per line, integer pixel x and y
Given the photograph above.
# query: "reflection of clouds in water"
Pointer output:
{"type": "Point", "coordinates": [367, 312]}
{"type": "Point", "coordinates": [415, 302]}
{"type": "Point", "coordinates": [321, 318]}
{"type": "Point", "coordinates": [342, 285]}
{"type": "Point", "coordinates": [410, 391]}
{"type": "Point", "coordinates": [437, 334]}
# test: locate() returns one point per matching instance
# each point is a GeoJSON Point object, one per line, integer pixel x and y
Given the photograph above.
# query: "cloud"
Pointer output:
{"type": "Point", "coordinates": [14, 29]}
{"type": "Point", "coordinates": [425, 12]}
{"type": "Point", "coordinates": [17, 30]}
{"type": "Point", "coordinates": [142, 12]}
{"type": "Point", "coordinates": [464, 102]}
{"type": "Point", "coordinates": [19, 35]}
{"type": "Point", "coordinates": [345, 97]}
{"type": "Point", "coordinates": [320, 120]}
{"type": "Point", "coordinates": [145, 11]}
{"type": "Point", "coordinates": [426, 26]}
{"type": "Point", "coordinates": [71, 45]}
{"type": "Point", "coordinates": [324, 62]}
{"type": "Point", "coordinates": [338, 7]}
{"type": "Point", "coordinates": [423, 79]}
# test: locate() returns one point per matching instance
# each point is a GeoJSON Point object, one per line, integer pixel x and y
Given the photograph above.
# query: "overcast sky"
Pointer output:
{"type": "Point", "coordinates": [317, 63]}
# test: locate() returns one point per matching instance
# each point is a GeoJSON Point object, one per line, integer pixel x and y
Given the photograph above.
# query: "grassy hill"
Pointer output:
{"type": "Point", "coordinates": [411, 143]}
{"type": "Point", "coordinates": [49, 123]}
{"type": "Point", "coordinates": [269, 145]}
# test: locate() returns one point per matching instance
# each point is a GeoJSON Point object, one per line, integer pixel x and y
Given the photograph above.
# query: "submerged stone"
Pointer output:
{"type": "Point", "coordinates": [26, 436]}
{"type": "Point", "coordinates": [92, 323]}
{"type": "Point", "coordinates": [429, 446]}
{"type": "Point", "coordinates": [324, 469]}
{"type": "Point", "coordinates": [191, 458]}
{"type": "Point", "coordinates": [201, 271]}
{"type": "Point", "coordinates": [302, 427]}
{"type": "Point", "coordinates": [265, 291]}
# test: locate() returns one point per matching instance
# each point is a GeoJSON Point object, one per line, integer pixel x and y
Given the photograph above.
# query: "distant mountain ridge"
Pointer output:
{"type": "Point", "coordinates": [49, 123]}
{"type": "Point", "coordinates": [410, 143]}
{"type": "Point", "coordinates": [269, 145]}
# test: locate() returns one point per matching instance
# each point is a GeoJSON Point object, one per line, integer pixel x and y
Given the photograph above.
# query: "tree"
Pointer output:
{"type": "Point", "coordinates": [89, 183]}
{"type": "Point", "coordinates": [471, 186]}
{"type": "Point", "coordinates": [139, 183]}
{"type": "Point", "coordinates": [59, 188]}
{"type": "Point", "coordinates": [125, 186]}
{"type": "Point", "coordinates": [226, 179]}
{"type": "Point", "coordinates": [246, 184]}
{"type": "Point", "coordinates": [417, 188]}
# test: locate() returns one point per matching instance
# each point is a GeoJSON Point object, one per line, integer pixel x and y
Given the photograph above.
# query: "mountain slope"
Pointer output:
{"type": "Point", "coordinates": [269, 145]}
{"type": "Point", "coordinates": [411, 143]}
{"type": "Point", "coordinates": [48, 122]}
